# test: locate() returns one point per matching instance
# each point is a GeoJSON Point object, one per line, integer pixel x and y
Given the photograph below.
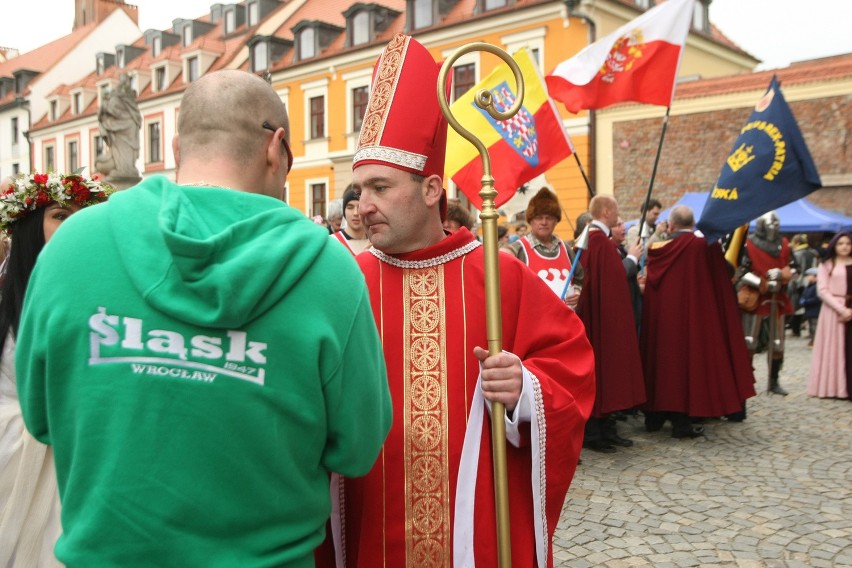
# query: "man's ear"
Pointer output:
{"type": "Point", "coordinates": [274, 151]}
{"type": "Point", "coordinates": [176, 150]}
{"type": "Point", "coordinates": [433, 189]}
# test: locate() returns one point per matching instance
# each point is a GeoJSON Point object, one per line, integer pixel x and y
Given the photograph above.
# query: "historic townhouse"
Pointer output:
{"type": "Point", "coordinates": [319, 55]}
{"type": "Point", "coordinates": [28, 80]}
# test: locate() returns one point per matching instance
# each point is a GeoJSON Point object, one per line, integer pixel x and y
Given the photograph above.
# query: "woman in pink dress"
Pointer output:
{"type": "Point", "coordinates": [830, 373]}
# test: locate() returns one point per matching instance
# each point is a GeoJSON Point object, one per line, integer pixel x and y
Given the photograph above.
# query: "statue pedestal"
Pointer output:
{"type": "Point", "coordinates": [122, 181]}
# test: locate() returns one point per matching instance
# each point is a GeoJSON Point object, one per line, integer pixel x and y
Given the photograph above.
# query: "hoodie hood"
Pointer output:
{"type": "Point", "coordinates": [215, 257]}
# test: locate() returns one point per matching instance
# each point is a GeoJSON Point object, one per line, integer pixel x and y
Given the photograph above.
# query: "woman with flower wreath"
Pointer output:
{"type": "Point", "coordinates": [31, 209]}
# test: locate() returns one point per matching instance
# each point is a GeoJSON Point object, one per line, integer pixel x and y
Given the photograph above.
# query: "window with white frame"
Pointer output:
{"type": "Point", "coordinates": [230, 21]}
{"type": "Point", "coordinates": [307, 43]}
{"type": "Point", "coordinates": [192, 69]}
{"type": "Point", "coordinates": [699, 17]}
{"type": "Point", "coordinates": [317, 117]}
{"type": "Point", "coordinates": [78, 103]}
{"type": "Point", "coordinates": [260, 56]}
{"type": "Point", "coordinates": [361, 28]}
{"type": "Point", "coordinates": [360, 98]}
{"type": "Point", "coordinates": [157, 46]}
{"type": "Point", "coordinates": [97, 145]}
{"type": "Point", "coordinates": [423, 13]}
{"type": "Point", "coordinates": [72, 157]}
{"type": "Point", "coordinates": [49, 158]}
{"type": "Point", "coordinates": [492, 4]}
{"type": "Point", "coordinates": [318, 199]}
{"type": "Point", "coordinates": [187, 35]}
{"type": "Point", "coordinates": [54, 110]}
{"type": "Point", "coordinates": [464, 78]}
{"type": "Point", "coordinates": [160, 79]}
{"type": "Point", "coordinates": [531, 39]}
{"type": "Point", "coordinates": [253, 13]}
{"type": "Point", "coordinates": [154, 146]}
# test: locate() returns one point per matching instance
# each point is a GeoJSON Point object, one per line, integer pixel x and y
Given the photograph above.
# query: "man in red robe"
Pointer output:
{"type": "Point", "coordinates": [429, 499]}
{"type": "Point", "coordinates": [606, 311]}
{"type": "Point", "coordinates": [695, 358]}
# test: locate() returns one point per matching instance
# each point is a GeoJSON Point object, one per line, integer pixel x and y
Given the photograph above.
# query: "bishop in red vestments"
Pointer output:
{"type": "Point", "coordinates": [695, 357]}
{"type": "Point", "coordinates": [429, 499]}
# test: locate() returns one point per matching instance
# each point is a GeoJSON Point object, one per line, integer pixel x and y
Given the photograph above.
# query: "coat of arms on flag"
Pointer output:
{"type": "Point", "coordinates": [520, 148]}
{"type": "Point", "coordinates": [519, 131]}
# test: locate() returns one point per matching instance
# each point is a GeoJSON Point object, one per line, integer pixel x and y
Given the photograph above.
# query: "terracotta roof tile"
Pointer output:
{"type": "Point", "coordinates": [815, 70]}
{"type": "Point", "coordinates": [43, 58]}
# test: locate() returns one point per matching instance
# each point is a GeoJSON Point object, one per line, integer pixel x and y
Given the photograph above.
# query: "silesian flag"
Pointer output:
{"type": "Point", "coordinates": [638, 62]}
{"type": "Point", "coordinates": [526, 145]}
{"type": "Point", "coordinates": [769, 166]}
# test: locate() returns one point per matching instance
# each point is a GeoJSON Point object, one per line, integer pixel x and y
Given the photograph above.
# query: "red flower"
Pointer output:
{"type": "Point", "coordinates": [40, 178]}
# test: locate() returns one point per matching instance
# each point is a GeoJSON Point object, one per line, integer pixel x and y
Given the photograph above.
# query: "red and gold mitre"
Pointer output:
{"type": "Point", "coordinates": [404, 127]}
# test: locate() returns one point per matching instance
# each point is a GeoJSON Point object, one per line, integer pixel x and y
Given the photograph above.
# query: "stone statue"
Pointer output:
{"type": "Point", "coordinates": [119, 121]}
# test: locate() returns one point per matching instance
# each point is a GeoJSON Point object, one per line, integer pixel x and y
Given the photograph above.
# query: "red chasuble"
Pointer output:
{"type": "Point", "coordinates": [430, 311]}
{"type": "Point", "coordinates": [607, 312]}
{"type": "Point", "coordinates": [694, 353]}
{"type": "Point", "coordinates": [761, 263]}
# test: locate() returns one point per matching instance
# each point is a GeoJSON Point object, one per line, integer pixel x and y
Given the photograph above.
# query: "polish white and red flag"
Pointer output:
{"type": "Point", "coordinates": [638, 62]}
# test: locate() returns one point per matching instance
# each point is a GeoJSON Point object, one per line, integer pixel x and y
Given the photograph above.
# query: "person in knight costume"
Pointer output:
{"type": "Point", "coordinates": [766, 267]}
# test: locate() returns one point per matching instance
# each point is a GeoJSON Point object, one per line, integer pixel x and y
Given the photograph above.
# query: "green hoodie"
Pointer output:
{"type": "Point", "coordinates": [200, 359]}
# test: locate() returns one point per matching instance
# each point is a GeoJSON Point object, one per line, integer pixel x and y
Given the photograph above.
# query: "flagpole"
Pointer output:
{"type": "Point", "coordinates": [585, 178]}
{"type": "Point", "coordinates": [654, 173]}
{"type": "Point", "coordinates": [493, 314]}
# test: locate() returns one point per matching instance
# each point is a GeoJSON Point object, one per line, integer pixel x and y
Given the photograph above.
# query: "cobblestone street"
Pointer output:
{"type": "Point", "coordinates": [775, 490]}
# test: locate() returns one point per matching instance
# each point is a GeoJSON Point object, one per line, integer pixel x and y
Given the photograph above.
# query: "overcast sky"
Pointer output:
{"type": "Point", "coordinates": [776, 31]}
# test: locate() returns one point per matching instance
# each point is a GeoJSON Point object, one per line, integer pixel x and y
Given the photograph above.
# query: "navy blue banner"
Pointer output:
{"type": "Point", "coordinates": [768, 166]}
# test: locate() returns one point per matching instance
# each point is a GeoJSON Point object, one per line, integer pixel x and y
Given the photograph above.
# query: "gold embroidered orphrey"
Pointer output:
{"type": "Point", "coordinates": [427, 495]}
{"type": "Point", "coordinates": [383, 89]}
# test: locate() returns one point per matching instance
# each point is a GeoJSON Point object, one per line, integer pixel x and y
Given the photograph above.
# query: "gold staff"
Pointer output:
{"type": "Point", "coordinates": [493, 317]}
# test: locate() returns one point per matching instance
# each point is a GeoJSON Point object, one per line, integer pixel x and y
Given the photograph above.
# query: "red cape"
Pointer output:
{"type": "Point", "coordinates": [607, 313]}
{"type": "Point", "coordinates": [694, 354]}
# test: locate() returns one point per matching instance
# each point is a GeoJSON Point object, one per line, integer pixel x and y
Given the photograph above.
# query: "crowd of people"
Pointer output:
{"type": "Point", "coordinates": [199, 372]}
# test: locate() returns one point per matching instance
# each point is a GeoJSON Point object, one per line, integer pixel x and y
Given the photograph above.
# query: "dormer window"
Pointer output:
{"type": "Point", "coordinates": [307, 43]}
{"type": "Point", "coordinates": [494, 4]}
{"type": "Point", "coordinates": [260, 56]}
{"type": "Point", "coordinates": [78, 103]}
{"type": "Point", "coordinates": [423, 13]}
{"type": "Point", "coordinates": [119, 56]}
{"type": "Point", "coordinates": [253, 13]}
{"type": "Point", "coordinates": [187, 35]}
{"type": "Point", "coordinates": [157, 46]}
{"type": "Point", "coordinates": [700, 20]}
{"type": "Point", "coordinates": [266, 51]}
{"type": "Point", "coordinates": [192, 69]}
{"type": "Point", "coordinates": [313, 36]}
{"type": "Point", "coordinates": [104, 61]}
{"type": "Point", "coordinates": [361, 28]}
{"type": "Point", "coordinates": [235, 16]}
{"type": "Point", "coordinates": [365, 21]}
{"type": "Point", "coordinates": [54, 110]}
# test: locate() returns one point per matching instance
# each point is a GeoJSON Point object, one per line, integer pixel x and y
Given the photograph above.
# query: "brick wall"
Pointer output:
{"type": "Point", "coordinates": [697, 145]}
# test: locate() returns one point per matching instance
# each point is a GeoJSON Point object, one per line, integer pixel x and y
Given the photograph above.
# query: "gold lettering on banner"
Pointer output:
{"type": "Point", "coordinates": [427, 495]}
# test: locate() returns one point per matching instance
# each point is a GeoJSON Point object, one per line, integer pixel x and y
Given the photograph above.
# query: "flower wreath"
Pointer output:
{"type": "Point", "coordinates": [27, 193]}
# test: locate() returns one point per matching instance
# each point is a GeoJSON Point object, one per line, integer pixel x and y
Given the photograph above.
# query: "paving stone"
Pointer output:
{"type": "Point", "coordinates": [770, 492]}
